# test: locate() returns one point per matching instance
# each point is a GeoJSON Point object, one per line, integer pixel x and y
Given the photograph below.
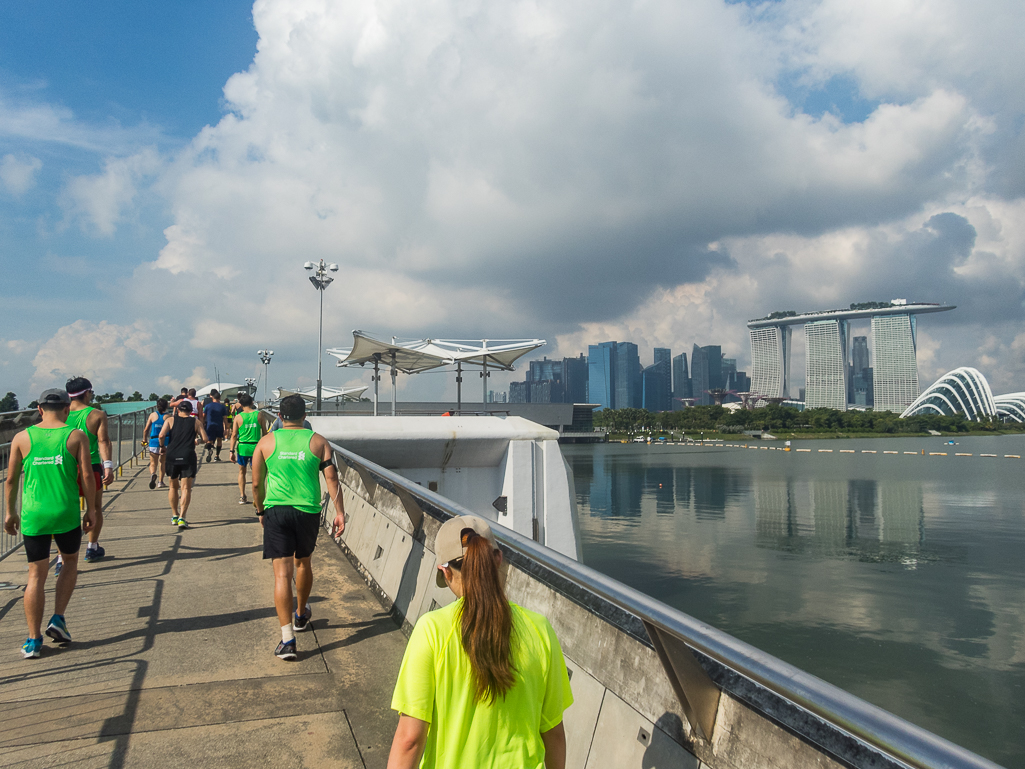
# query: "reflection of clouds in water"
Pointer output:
{"type": "Point", "coordinates": [880, 584]}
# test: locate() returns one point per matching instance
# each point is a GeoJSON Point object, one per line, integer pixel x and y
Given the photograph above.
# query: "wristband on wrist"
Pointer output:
{"type": "Point", "coordinates": [108, 464]}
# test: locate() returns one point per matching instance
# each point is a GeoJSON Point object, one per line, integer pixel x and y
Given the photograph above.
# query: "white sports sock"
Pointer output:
{"type": "Point", "coordinates": [93, 545]}
{"type": "Point", "coordinates": [287, 634]}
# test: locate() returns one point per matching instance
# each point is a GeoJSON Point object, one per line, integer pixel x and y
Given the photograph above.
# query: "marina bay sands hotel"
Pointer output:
{"type": "Point", "coordinates": [827, 346]}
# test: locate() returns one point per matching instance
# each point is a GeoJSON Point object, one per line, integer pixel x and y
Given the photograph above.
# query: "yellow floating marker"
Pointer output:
{"type": "Point", "coordinates": [962, 455]}
{"type": "Point", "coordinates": [895, 452]}
{"type": "Point", "coordinates": [846, 451]}
{"type": "Point", "coordinates": [804, 449]}
{"type": "Point", "coordinates": [987, 455]}
{"type": "Point", "coordinates": [868, 451]}
{"type": "Point", "coordinates": [909, 452]}
{"type": "Point", "coordinates": [825, 451]}
{"type": "Point", "coordinates": [1012, 456]}
{"type": "Point", "coordinates": [937, 453]}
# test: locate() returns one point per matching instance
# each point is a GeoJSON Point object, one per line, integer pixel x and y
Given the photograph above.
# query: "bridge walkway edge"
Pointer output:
{"type": "Point", "coordinates": [172, 662]}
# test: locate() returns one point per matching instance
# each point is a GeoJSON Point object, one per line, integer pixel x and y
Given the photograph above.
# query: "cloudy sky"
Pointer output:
{"type": "Point", "coordinates": [651, 171]}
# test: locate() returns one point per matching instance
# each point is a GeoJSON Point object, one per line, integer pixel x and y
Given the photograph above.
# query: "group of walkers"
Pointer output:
{"type": "Point", "coordinates": [483, 681]}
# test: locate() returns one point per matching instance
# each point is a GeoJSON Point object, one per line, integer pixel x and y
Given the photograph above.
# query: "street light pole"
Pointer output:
{"type": "Point", "coordinates": [320, 280]}
{"type": "Point", "coordinates": [265, 356]}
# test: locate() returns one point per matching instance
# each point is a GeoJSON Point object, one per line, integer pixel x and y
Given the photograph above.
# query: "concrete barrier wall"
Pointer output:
{"type": "Point", "coordinates": [626, 713]}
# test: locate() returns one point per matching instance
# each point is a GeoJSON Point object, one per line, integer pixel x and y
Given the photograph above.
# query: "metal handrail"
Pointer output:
{"type": "Point", "coordinates": [870, 724]}
{"type": "Point", "coordinates": [122, 427]}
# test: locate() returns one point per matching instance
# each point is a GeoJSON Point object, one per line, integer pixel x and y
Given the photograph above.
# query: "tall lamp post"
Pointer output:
{"type": "Point", "coordinates": [265, 356]}
{"type": "Point", "coordinates": [320, 280]}
{"type": "Point", "coordinates": [250, 385]}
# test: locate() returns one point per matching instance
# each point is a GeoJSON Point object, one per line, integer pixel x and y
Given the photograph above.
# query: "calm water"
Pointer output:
{"type": "Point", "coordinates": [898, 578]}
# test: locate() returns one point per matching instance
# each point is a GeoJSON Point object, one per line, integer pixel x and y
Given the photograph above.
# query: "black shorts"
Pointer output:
{"type": "Point", "coordinates": [289, 532]}
{"type": "Point", "coordinates": [213, 432]}
{"type": "Point", "coordinates": [37, 547]}
{"type": "Point", "coordinates": [181, 467]}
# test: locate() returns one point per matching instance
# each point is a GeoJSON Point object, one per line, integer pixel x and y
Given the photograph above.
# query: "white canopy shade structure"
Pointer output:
{"type": "Point", "coordinates": [414, 356]}
{"type": "Point", "coordinates": [226, 389]}
{"type": "Point", "coordinates": [338, 395]}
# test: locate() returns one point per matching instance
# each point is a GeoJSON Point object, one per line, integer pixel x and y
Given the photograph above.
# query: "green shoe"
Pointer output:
{"type": "Point", "coordinates": [174, 520]}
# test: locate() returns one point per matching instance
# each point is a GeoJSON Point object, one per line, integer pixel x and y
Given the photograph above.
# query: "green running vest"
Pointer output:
{"type": "Point", "coordinates": [77, 419]}
{"type": "Point", "coordinates": [249, 433]}
{"type": "Point", "coordinates": [293, 472]}
{"type": "Point", "coordinates": [49, 496]}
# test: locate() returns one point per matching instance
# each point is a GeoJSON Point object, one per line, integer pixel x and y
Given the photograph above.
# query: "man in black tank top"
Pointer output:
{"type": "Point", "coordinates": [178, 435]}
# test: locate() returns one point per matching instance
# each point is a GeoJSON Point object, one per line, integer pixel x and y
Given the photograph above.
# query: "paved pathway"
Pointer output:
{"type": "Point", "coordinates": [172, 663]}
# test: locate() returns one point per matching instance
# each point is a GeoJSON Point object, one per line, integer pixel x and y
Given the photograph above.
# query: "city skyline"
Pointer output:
{"type": "Point", "coordinates": [166, 171]}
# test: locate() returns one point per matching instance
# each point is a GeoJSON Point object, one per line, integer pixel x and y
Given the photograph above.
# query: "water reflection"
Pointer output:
{"type": "Point", "coordinates": [898, 579]}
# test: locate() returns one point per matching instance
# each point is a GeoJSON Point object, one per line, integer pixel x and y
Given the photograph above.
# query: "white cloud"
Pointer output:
{"type": "Point", "coordinates": [99, 200]}
{"type": "Point", "coordinates": [525, 167]}
{"type": "Point", "coordinates": [41, 122]}
{"type": "Point", "coordinates": [18, 174]}
{"type": "Point", "coordinates": [99, 351]}
{"type": "Point", "coordinates": [198, 378]}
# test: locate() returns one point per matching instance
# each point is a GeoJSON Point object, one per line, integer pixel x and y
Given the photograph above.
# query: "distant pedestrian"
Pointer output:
{"type": "Point", "coordinates": [191, 398]}
{"type": "Point", "coordinates": [286, 489]}
{"type": "Point", "coordinates": [179, 398]}
{"type": "Point", "coordinates": [157, 457]}
{"type": "Point", "coordinates": [249, 427]}
{"type": "Point", "coordinates": [214, 413]}
{"type": "Point", "coordinates": [54, 459]}
{"type": "Point", "coordinates": [483, 682]}
{"type": "Point", "coordinates": [93, 422]}
{"type": "Point", "coordinates": [179, 435]}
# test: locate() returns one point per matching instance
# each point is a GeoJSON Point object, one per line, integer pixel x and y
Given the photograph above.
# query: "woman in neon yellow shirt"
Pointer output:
{"type": "Point", "coordinates": [483, 681]}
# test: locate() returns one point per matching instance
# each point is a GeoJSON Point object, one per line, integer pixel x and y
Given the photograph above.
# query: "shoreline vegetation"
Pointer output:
{"type": "Point", "coordinates": [786, 423]}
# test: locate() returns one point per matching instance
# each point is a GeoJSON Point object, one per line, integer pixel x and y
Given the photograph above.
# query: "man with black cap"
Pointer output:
{"type": "Point", "coordinates": [93, 422]}
{"type": "Point", "coordinates": [178, 435]}
{"type": "Point", "coordinates": [286, 490]}
{"type": "Point", "coordinates": [54, 458]}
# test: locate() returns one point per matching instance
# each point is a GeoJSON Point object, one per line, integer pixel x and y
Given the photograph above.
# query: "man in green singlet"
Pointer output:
{"type": "Point", "coordinates": [247, 428]}
{"type": "Point", "coordinates": [93, 422]}
{"type": "Point", "coordinates": [54, 458]}
{"type": "Point", "coordinates": [286, 489]}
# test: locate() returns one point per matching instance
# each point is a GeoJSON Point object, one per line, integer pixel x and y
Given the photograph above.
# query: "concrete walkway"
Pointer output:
{"type": "Point", "coordinates": [172, 662]}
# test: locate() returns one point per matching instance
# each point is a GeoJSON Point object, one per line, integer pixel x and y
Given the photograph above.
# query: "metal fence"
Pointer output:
{"type": "Point", "coordinates": [847, 724]}
{"type": "Point", "coordinates": [126, 434]}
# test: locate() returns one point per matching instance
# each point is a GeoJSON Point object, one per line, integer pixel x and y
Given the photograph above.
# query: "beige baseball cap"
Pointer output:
{"type": "Point", "coordinates": [448, 545]}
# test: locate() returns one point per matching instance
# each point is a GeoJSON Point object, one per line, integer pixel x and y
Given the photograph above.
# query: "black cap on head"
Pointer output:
{"type": "Point", "coordinates": [76, 386]}
{"type": "Point", "coordinates": [54, 397]}
{"type": "Point", "coordinates": [185, 406]}
{"type": "Point", "coordinates": [292, 408]}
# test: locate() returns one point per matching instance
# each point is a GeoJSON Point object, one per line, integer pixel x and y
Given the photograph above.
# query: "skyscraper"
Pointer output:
{"type": "Point", "coordinates": [628, 376]}
{"type": "Point", "coordinates": [706, 372]}
{"type": "Point", "coordinates": [574, 379]}
{"type": "Point", "coordinates": [681, 380]}
{"type": "Point", "coordinates": [664, 362]}
{"type": "Point", "coordinates": [601, 375]}
{"type": "Point", "coordinates": [895, 374]}
{"type": "Point", "coordinates": [770, 361]}
{"type": "Point", "coordinates": [826, 378]}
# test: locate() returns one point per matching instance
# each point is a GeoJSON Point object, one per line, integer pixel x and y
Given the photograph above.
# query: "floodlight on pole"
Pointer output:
{"type": "Point", "coordinates": [321, 280]}
{"type": "Point", "coordinates": [251, 385]}
{"type": "Point", "coordinates": [265, 356]}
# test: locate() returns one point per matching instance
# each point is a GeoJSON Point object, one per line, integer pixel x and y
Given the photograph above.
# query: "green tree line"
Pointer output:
{"type": "Point", "coordinates": [786, 419]}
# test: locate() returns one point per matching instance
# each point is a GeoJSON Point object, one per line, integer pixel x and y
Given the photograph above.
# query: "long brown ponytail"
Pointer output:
{"type": "Point", "coordinates": [486, 620]}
